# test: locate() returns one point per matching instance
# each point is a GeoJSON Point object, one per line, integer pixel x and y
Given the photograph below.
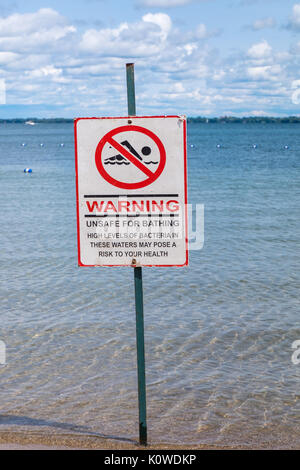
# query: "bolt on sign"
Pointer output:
{"type": "Point", "coordinates": [131, 183]}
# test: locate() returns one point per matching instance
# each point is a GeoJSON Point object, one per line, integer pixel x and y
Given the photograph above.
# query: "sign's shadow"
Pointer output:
{"type": "Point", "coordinates": [24, 421]}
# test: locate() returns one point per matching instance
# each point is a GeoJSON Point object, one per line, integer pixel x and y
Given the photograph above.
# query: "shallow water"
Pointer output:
{"type": "Point", "coordinates": [218, 334]}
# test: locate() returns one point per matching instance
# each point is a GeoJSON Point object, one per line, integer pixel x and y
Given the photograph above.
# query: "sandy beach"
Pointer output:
{"type": "Point", "coordinates": [33, 441]}
{"type": "Point", "coordinates": [36, 441]}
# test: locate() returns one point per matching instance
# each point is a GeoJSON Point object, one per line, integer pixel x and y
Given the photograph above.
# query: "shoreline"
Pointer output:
{"type": "Point", "coordinates": [10, 440]}
{"type": "Point", "coordinates": [34, 441]}
{"type": "Point", "coordinates": [289, 119]}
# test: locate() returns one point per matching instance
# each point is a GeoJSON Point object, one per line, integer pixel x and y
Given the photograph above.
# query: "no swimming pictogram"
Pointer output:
{"type": "Point", "coordinates": [130, 157]}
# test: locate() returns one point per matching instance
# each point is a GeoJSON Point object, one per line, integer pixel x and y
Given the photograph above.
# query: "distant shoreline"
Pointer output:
{"type": "Point", "coordinates": [199, 119]}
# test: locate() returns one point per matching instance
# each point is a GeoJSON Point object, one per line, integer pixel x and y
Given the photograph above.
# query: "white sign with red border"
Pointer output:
{"type": "Point", "coordinates": [131, 185]}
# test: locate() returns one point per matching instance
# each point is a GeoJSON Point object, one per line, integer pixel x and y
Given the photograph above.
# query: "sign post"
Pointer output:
{"type": "Point", "coordinates": [131, 198]}
{"type": "Point", "coordinates": [139, 303]}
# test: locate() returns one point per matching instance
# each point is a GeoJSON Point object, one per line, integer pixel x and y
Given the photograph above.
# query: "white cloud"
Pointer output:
{"type": "Point", "coordinates": [31, 31]}
{"type": "Point", "coordinates": [263, 23]}
{"type": "Point", "coordinates": [123, 41]}
{"type": "Point", "coordinates": [296, 91]}
{"type": "Point", "coordinates": [219, 75]}
{"type": "Point", "coordinates": [266, 72]}
{"type": "Point", "coordinates": [177, 88]}
{"type": "Point", "coordinates": [2, 91]}
{"type": "Point", "coordinates": [189, 48]}
{"type": "Point", "coordinates": [295, 48]}
{"type": "Point", "coordinates": [160, 19]}
{"type": "Point", "coordinates": [294, 22]}
{"type": "Point", "coordinates": [7, 57]}
{"type": "Point", "coordinates": [201, 31]}
{"type": "Point", "coordinates": [258, 113]}
{"type": "Point", "coordinates": [165, 3]}
{"type": "Point", "coordinates": [260, 50]}
{"type": "Point", "coordinates": [144, 38]}
{"type": "Point", "coordinates": [17, 24]}
{"type": "Point", "coordinates": [48, 71]}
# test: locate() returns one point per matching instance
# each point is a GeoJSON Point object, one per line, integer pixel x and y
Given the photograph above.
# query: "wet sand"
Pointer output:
{"type": "Point", "coordinates": [32, 441]}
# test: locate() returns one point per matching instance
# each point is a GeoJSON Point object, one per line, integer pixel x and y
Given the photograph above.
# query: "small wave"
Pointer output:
{"type": "Point", "coordinates": [117, 163]}
{"type": "Point", "coordinates": [124, 162]}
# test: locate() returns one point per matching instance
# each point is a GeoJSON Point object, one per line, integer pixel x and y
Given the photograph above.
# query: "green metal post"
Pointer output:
{"type": "Point", "coordinates": [139, 308]}
{"type": "Point", "coordinates": [139, 303]}
{"type": "Point", "coordinates": [130, 89]}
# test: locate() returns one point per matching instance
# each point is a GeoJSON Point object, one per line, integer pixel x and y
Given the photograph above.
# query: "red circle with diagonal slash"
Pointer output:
{"type": "Point", "coordinates": [151, 176]}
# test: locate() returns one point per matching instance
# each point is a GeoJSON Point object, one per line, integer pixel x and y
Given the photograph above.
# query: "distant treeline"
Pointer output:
{"type": "Point", "coordinates": [35, 120]}
{"type": "Point", "coordinates": [246, 120]}
{"type": "Point", "coordinates": [199, 119]}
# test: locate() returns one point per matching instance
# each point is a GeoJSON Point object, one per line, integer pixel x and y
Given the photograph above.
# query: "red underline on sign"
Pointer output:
{"type": "Point", "coordinates": [135, 161]}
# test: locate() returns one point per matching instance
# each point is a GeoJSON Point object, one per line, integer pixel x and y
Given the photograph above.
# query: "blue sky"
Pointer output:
{"type": "Point", "coordinates": [195, 57]}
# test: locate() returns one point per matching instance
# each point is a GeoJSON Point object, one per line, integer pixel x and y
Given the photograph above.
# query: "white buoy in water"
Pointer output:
{"type": "Point", "coordinates": [27, 170]}
{"type": "Point", "coordinates": [218, 146]}
{"type": "Point", "coordinates": [41, 144]}
{"type": "Point", "coordinates": [286, 146]}
{"type": "Point", "coordinates": [254, 146]}
{"type": "Point", "coordinates": [62, 144]}
{"type": "Point", "coordinates": [23, 144]}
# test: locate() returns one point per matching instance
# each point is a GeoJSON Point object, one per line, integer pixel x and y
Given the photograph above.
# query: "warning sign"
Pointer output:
{"type": "Point", "coordinates": [131, 181]}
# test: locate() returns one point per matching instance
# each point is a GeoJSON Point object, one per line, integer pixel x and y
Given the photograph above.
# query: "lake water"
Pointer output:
{"type": "Point", "coordinates": [218, 334]}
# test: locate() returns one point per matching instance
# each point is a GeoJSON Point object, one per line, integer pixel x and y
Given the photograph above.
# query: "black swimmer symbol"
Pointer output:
{"type": "Point", "coordinates": [121, 160]}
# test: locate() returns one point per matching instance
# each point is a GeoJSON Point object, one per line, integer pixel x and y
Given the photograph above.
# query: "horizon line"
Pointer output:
{"type": "Point", "coordinates": [221, 117]}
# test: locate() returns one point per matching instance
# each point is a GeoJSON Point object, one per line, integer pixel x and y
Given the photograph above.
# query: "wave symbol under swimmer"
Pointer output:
{"type": "Point", "coordinates": [121, 160]}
